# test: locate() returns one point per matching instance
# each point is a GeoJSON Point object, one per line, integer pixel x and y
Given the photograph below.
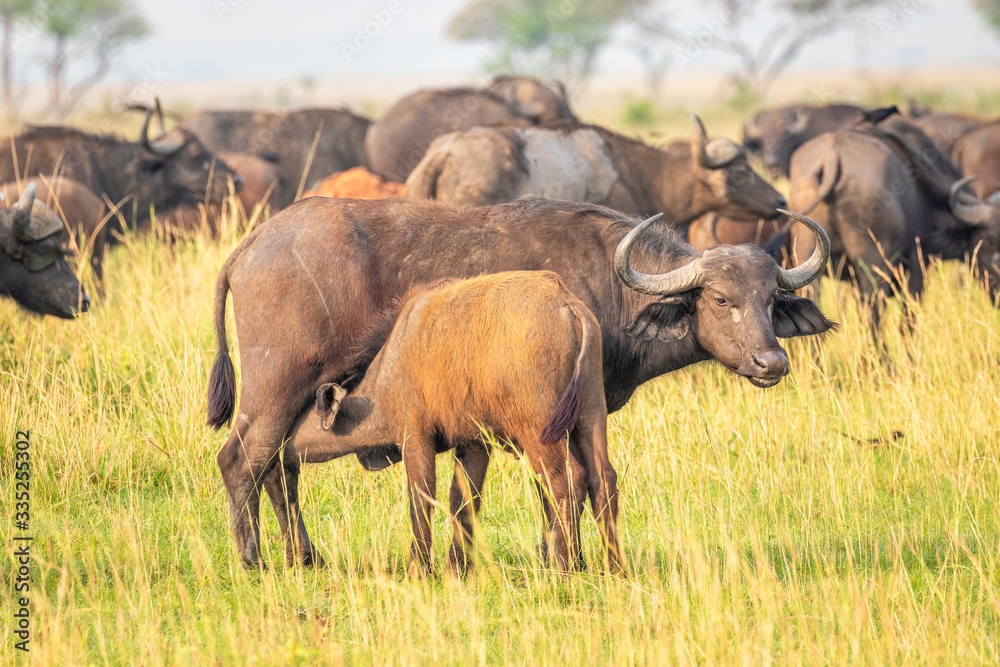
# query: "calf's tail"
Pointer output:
{"type": "Point", "coordinates": [568, 408]}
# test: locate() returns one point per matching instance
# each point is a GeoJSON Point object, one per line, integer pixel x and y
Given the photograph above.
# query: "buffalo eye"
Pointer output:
{"type": "Point", "coordinates": [719, 301]}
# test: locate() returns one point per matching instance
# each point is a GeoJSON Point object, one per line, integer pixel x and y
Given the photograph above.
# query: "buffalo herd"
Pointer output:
{"type": "Point", "coordinates": [562, 266]}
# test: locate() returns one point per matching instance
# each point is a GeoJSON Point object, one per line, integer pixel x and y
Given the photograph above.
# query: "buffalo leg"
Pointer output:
{"type": "Point", "coordinates": [602, 487]}
{"type": "Point", "coordinates": [471, 462]}
{"type": "Point", "coordinates": [282, 486]}
{"type": "Point", "coordinates": [564, 481]}
{"type": "Point", "coordinates": [418, 458]}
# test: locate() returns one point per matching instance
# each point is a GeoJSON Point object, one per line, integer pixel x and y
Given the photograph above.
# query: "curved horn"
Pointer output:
{"type": "Point", "coordinates": [159, 115]}
{"type": "Point", "coordinates": [676, 281]}
{"type": "Point", "coordinates": [158, 147]}
{"type": "Point", "coordinates": [975, 214]}
{"type": "Point", "coordinates": [812, 268]}
{"type": "Point", "coordinates": [22, 213]}
{"type": "Point", "coordinates": [713, 154]}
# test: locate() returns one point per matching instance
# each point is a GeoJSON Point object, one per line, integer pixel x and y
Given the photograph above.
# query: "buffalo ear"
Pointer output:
{"type": "Point", "coordinates": [666, 320]}
{"type": "Point", "coordinates": [328, 398]}
{"type": "Point", "coordinates": [796, 316]}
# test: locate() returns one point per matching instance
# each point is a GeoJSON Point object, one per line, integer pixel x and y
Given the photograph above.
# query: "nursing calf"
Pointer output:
{"type": "Point", "coordinates": [512, 354]}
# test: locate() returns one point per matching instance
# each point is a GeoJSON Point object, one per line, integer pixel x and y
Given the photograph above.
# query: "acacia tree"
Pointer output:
{"type": "Point", "coordinates": [794, 24]}
{"type": "Point", "coordinates": [557, 38]}
{"type": "Point", "coordinates": [91, 31]}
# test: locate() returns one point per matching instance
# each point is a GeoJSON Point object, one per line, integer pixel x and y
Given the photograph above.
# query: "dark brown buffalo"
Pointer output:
{"type": "Point", "coordinates": [490, 165]}
{"type": "Point", "coordinates": [774, 134]}
{"type": "Point", "coordinates": [326, 268]}
{"type": "Point", "coordinates": [174, 170]}
{"type": "Point", "coordinates": [883, 200]}
{"type": "Point", "coordinates": [978, 154]}
{"type": "Point", "coordinates": [397, 141]}
{"type": "Point", "coordinates": [33, 268]}
{"type": "Point", "coordinates": [514, 353]}
{"type": "Point", "coordinates": [305, 146]}
{"type": "Point", "coordinates": [83, 212]}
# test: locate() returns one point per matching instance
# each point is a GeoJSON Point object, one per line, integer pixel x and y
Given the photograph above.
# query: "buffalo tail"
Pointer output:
{"type": "Point", "coordinates": [568, 409]}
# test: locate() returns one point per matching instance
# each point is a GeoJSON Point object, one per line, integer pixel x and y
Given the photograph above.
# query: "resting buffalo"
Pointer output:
{"type": "Point", "coordinates": [305, 146]}
{"type": "Point", "coordinates": [513, 353]}
{"type": "Point", "coordinates": [326, 268]}
{"type": "Point", "coordinates": [882, 200]}
{"type": "Point", "coordinates": [83, 212]}
{"type": "Point", "coordinates": [397, 141]}
{"type": "Point", "coordinates": [174, 170]}
{"type": "Point", "coordinates": [776, 133]}
{"type": "Point", "coordinates": [978, 154]}
{"type": "Point", "coordinates": [33, 268]}
{"type": "Point", "coordinates": [490, 165]}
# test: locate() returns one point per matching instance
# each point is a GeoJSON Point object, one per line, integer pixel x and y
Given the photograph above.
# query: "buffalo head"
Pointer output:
{"type": "Point", "coordinates": [33, 267]}
{"type": "Point", "coordinates": [735, 301]}
{"type": "Point", "coordinates": [722, 167]}
{"type": "Point", "coordinates": [536, 101]}
{"type": "Point", "coordinates": [176, 169]}
{"type": "Point", "coordinates": [775, 134]}
{"type": "Point", "coordinates": [979, 231]}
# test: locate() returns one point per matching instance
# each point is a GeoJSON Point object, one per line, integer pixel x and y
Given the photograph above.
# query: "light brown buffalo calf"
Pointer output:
{"type": "Point", "coordinates": [514, 354]}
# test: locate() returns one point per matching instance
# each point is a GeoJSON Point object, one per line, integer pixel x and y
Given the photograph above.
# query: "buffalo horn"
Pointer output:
{"type": "Point", "coordinates": [812, 268]}
{"type": "Point", "coordinates": [22, 214]}
{"type": "Point", "coordinates": [161, 146]}
{"type": "Point", "coordinates": [713, 154]}
{"type": "Point", "coordinates": [974, 214]}
{"type": "Point", "coordinates": [676, 281]}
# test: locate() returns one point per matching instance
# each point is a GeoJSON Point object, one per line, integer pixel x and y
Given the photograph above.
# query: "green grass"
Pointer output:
{"type": "Point", "coordinates": [759, 525]}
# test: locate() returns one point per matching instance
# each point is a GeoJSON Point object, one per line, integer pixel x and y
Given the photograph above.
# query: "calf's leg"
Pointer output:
{"type": "Point", "coordinates": [471, 462]}
{"type": "Point", "coordinates": [418, 458]}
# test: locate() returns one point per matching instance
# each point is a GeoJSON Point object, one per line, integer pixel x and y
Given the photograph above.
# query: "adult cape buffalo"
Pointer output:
{"type": "Point", "coordinates": [776, 133]}
{"type": "Point", "coordinates": [172, 171]}
{"type": "Point", "coordinates": [566, 160]}
{"type": "Point", "coordinates": [309, 284]}
{"type": "Point", "coordinates": [305, 146]}
{"type": "Point", "coordinates": [396, 142]}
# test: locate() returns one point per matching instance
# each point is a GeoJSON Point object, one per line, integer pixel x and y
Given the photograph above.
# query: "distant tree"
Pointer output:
{"type": "Point", "coordinates": [89, 31]}
{"type": "Point", "coordinates": [794, 25]}
{"type": "Point", "coordinates": [990, 11]}
{"type": "Point", "coordinates": [557, 38]}
{"type": "Point", "coordinates": [11, 13]}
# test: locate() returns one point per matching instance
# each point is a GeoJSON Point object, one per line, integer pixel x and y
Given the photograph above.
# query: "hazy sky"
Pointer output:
{"type": "Point", "coordinates": [248, 39]}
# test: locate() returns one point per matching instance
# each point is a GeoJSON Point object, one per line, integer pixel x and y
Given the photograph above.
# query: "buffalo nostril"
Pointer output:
{"type": "Point", "coordinates": [782, 203]}
{"type": "Point", "coordinates": [238, 182]}
{"type": "Point", "coordinates": [771, 363]}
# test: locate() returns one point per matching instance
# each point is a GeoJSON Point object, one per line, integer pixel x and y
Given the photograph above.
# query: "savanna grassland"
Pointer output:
{"type": "Point", "coordinates": [761, 526]}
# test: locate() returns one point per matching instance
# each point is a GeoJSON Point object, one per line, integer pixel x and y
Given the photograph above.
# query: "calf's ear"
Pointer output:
{"type": "Point", "coordinates": [666, 320]}
{"type": "Point", "coordinates": [795, 316]}
{"type": "Point", "coordinates": [328, 398]}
